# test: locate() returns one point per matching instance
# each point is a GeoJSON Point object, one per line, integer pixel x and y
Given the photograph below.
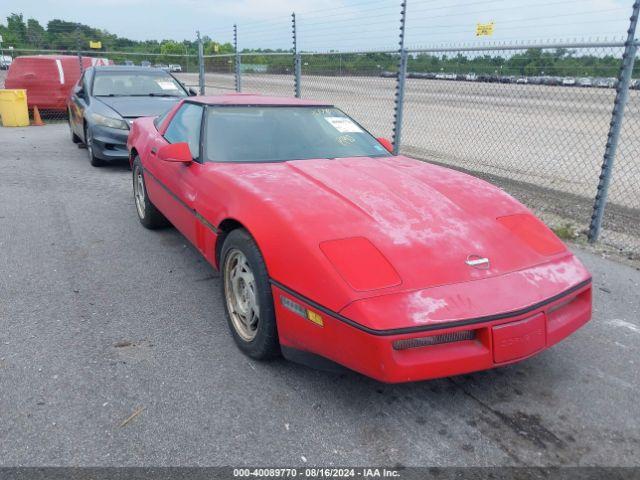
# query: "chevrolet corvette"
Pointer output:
{"type": "Point", "coordinates": [332, 248]}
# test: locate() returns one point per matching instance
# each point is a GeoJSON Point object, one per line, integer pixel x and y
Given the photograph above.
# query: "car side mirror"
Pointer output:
{"type": "Point", "coordinates": [386, 144]}
{"type": "Point", "coordinates": [192, 92]}
{"type": "Point", "coordinates": [176, 152]}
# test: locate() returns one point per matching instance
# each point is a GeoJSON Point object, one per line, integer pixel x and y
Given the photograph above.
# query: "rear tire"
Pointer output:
{"type": "Point", "coordinates": [248, 300]}
{"type": "Point", "coordinates": [150, 217]}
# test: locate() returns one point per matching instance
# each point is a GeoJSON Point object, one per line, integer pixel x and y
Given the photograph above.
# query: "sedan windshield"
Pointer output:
{"type": "Point", "coordinates": [271, 134]}
{"type": "Point", "coordinates": [137, 84]}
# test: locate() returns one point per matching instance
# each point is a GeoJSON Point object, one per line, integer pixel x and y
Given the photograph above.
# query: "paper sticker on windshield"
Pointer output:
{"type": "Point", "coordinates": [167, 85]}
{"type": "Point", "coordinates": [343, 125]}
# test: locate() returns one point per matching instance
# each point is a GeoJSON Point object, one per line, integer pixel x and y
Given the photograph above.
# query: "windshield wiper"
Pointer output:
{"type": "Point", "coordinates": [153, 95]}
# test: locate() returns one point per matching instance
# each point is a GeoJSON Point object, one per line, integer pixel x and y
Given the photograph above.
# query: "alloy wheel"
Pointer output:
{"type": "Point", "coordinates": [241, 295]}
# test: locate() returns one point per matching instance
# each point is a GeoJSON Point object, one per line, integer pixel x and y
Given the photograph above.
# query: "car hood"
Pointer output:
{"type": "Point", "coordinates": [423, 223]}
{"type": "Point", "coordinates": [133, 107]}
{"type": "Point", "coordinates": [427, 221]}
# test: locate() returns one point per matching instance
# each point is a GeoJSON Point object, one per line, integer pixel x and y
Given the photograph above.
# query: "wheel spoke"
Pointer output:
{"type": "Point", "coordinates": [241, 295]}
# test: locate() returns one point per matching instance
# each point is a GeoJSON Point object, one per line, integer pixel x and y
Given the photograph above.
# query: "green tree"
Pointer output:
{"type": "Point", "coordinates": [36, 34]}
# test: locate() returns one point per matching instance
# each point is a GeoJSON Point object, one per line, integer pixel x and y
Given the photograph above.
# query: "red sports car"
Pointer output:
{"type": "Point", "coordinates": [331, 247]}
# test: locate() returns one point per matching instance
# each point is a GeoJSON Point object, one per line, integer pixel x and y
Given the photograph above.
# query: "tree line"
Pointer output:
{"type": "Point", "coordinates": [65, 36]}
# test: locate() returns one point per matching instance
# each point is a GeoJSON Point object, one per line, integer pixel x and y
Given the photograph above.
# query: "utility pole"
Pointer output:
{"type": "Point", "coordinates": [79, 48]}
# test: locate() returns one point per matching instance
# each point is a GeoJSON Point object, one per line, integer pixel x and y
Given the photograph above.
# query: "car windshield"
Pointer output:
{"type": "Point", "coordinates": [138, 84]}
{"type": "Point", "coordinates": [272, 134]}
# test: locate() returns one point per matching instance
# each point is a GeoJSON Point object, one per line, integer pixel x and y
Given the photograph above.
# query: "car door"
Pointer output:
{"type": "Point", "coordinates": [78, 104]}
{"type": "Point", "coordinates": [178, 179]}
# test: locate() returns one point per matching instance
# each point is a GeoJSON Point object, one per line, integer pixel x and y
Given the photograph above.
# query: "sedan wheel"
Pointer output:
{"type": "Point", "coordinates": [240, 295]}
{"type": "Point", "coordinates": [74, 137]}
{"type": "Point", "coordinates": [88, 141]}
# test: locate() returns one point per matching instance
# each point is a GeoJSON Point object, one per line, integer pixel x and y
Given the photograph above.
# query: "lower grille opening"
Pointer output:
{"type": "Point", "coordinates": [408, 343]}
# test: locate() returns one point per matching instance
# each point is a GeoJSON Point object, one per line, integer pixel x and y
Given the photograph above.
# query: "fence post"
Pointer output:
{"type": "Point", "coordinates": [79, 47]}
{"type": "Point", "coordinates": [238, 70]}
{"type": "Point", "coordinates": [200, 63]}
{"type": "Point", "coordinates": [401, 78]}
{"type": "Point", "coordinates": [298, 72]}
{"type": "Point", "coordinates": [297, 60]}
{"type": "Point", "coordinates": [622, 95]}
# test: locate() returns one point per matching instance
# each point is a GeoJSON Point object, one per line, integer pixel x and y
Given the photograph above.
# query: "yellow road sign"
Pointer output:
{"type": "Point", "coordinates": [97, 44]}
{"type": "Point", "coordinates": [484, 29]}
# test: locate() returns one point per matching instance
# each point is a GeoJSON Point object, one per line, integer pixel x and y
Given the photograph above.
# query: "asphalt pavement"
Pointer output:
{"type": "Point", "coordinates": [114, 351]}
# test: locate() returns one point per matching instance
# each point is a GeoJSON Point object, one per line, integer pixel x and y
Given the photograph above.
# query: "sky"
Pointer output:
{"type": "Point", "coordinates": [346, 25]}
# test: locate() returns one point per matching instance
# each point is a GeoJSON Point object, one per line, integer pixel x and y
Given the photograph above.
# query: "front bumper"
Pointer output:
{"type": "Point", "coordinates": [501, 341]}
{"type": "Point", "coordinates": [110, 144]}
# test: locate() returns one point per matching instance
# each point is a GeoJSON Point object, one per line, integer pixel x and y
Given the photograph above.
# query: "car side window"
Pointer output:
{"type": "Point", "coordinates": [82, 83]}
{"type": "Point", "coordinates": [185, 127]}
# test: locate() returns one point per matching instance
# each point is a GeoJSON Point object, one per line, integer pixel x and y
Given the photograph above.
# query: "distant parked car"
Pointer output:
{"type": "Point", "coordinates": [387, 74]}
{"type": "Point", "coordinates": [48, 79]}
{"type": "Point", "coordinates": [107, 99]}
{"type": "Point", "coordinates": [585, 82]}
{"type": "Point", "coordinates": [522, 80]}
{"type": "Point", "coordinates": [145, 63]}
{"type": "Point", "coordinates": [551, 81]}
{"type": "Point", "coordinates": [129, 63]}
{"type": "Point", "coordinates": [174, 67]}
{"type": "Point", "coordinates": [162, 66]}
{"type": "Point", "coordinates": [5, 62]}
{"type": "Point", "coordinates": [568, 82]}
{"type": "Point", "coordinates": [471, 77]}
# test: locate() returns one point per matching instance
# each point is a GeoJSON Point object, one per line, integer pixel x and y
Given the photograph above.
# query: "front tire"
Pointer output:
{"type": "Point", "coordinates": [150, 217]}
{"type": "Point", "coordinates": [247, 297]}
{"type": "Point", "coordinates": [74, 138]}
{"type": "Point", "coordinates": [88, 142]}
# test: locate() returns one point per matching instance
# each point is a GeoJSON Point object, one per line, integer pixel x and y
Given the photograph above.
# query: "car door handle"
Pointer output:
{"type": "Point", "coordinates": [154, 150]}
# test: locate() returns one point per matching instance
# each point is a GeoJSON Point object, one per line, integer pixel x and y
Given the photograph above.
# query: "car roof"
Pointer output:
{"type": "Point", "coordinates": [126, 68]}
{"type": "Point", "coordinates": [254, 99]}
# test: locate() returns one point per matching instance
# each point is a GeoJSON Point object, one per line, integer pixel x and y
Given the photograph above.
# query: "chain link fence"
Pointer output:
{"type": "Point", "coordinates": [532, 119]}
{"type": "Point", "coordinates": [354, 82]}
{"type": "Point", "coordinates": [537, 129]}
{"type": "Point", "coordinates": [621, 222]}
{"type": "Point", "coordinates": [219, 74]}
